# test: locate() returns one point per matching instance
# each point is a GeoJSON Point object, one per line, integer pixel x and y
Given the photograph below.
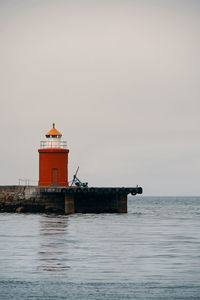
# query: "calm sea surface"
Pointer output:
{"type": "Point", "coordinates": [153, 252]}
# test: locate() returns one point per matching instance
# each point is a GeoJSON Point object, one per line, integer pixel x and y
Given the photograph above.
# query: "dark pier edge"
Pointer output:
{"type": "Point", "coordinates": [65, 200]}
{"type": "Point", "coordinates": [95, 199]}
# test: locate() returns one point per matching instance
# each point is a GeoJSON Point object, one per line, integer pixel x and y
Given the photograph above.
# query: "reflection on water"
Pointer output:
{"type": "Point", "coordinates": [52, 251]}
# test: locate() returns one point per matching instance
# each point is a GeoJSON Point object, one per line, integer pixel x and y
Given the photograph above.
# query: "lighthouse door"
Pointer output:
{"type": "Point", "coordinates": [54, 176]}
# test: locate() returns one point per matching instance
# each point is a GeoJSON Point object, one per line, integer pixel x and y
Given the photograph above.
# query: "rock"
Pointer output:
{"type": "Point", "coordinates": [20, 209]}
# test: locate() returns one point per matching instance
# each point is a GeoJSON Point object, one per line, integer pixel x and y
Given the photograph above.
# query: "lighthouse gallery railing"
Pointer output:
{"type": "Point", "coordinates": [53, 144]}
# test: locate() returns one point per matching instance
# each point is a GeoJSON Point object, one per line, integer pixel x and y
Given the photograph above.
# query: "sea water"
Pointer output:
{"type": "Point", "coordinates": [152, 252]}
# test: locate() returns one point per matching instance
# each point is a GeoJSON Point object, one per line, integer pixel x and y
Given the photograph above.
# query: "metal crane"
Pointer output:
{"type": "Point", "coordinates": [77, 181]}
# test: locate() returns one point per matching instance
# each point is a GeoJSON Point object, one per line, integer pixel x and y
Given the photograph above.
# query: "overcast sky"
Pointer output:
{"type": "Point", "coordinates": [119, 78]}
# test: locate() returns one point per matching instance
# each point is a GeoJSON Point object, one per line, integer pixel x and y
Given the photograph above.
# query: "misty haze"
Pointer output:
{"type": "Point", "coordinates": [119, 78]}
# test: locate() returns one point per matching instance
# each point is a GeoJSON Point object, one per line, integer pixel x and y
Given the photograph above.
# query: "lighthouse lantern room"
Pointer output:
{"type": "Point", "coordinates": [53, 160]}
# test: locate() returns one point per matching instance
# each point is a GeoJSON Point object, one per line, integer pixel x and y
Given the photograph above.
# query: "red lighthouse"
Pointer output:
{"type": "Point", "coordinates": [53, 160]}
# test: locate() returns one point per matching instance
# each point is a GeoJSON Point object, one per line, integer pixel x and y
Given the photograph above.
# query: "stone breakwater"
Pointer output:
{"type": "Point", "coordinates": [65, 200]}
{"type": "Point", "coordinates": [28, 199]}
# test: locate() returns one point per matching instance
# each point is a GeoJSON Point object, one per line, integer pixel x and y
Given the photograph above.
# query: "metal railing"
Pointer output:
{"type": "Point", "coordinates": [53, 144]}
{"type": "Point", "coordinates": [26, 182]}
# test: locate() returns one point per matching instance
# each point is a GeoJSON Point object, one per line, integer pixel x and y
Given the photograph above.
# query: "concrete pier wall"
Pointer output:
{"type": "Point", "coordinates": [60, 200]}
{"type": "Point", "coordinates": [69, 204]}
{"type": "Point", "coordinates": [106, 203]}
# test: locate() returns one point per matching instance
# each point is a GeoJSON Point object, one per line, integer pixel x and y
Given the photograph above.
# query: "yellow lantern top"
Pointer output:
{"type": "Point", "coordinates": [53, 131]}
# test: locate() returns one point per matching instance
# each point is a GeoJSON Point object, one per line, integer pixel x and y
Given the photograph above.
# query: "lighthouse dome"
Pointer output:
{"type": "Point", "coordinates": [53, 132]}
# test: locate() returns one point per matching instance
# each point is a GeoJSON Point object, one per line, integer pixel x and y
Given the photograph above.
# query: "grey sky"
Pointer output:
{"type": "Point", "coordinates": [119, 78]}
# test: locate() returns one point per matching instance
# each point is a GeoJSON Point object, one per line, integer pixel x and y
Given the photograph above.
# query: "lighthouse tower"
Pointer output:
{"type": "Point", "coordinates": [53, 160]}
